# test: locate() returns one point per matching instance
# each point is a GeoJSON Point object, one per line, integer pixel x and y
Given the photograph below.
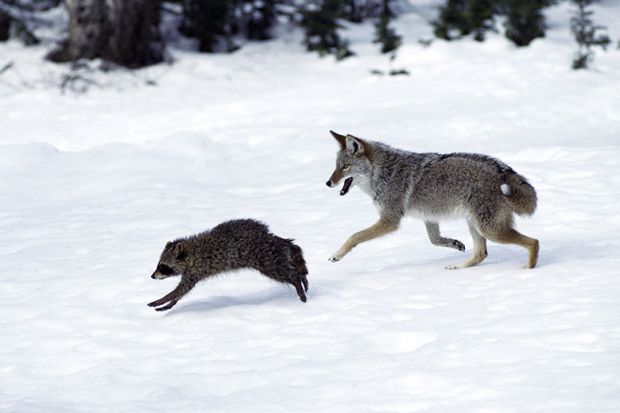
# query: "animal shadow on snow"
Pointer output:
{"type": "Point", "coordinates": [220, 302]}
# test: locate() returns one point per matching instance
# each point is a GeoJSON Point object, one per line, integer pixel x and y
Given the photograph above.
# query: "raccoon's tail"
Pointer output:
{"type": "Point", "coordinates": [520, 194]}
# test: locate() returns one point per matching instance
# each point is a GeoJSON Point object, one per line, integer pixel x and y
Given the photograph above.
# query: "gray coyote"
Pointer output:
{"type": "Point", "coordinates": [483, 190]}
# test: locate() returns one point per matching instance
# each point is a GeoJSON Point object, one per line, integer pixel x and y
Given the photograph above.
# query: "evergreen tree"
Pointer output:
{"type": "Point", "coordinates": [257, 18]}
{"type": "Point", "coordinates": [480, 15]}
{"type": "Point", "coordinates": [525, 20]}
{"type": "Point", "coordinates": [210, 22]}
{"type": "Point", "coordinates": [451, 18]}
{"type": "Point", "coordinates": [356, 11]}
{"type": "Point", "coordinates": [461, 17]}
{"type": "Point", "coordinates": [320, 23]}
{"type": "Point", "coordinates": [16, 17]}
{"type": "Point", "coordinates": [586, 34]}
{"type": "Point", "coordinates": [384, 34]}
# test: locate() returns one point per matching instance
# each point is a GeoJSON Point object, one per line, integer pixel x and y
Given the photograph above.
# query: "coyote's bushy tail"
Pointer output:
{"type": "Point", "coordinates": [520, 194]}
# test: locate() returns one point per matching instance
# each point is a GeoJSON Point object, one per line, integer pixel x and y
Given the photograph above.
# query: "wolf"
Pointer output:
{"type": "Point", "coordinates": [483, 190]}
{"type": "Point", "coordinates": [242, 243]}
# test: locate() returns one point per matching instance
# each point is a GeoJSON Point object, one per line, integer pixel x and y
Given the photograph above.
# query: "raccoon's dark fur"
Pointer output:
{"type": "Point", "coordinates": [232, 245]}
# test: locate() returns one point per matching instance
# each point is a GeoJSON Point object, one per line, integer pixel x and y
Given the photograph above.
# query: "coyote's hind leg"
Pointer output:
{"type": "Point", "coordinates": [434, 235]}
{"type": "Point", "coordinates": [512, 236]}
{"type": "Point", "coordinates": [480, 249]}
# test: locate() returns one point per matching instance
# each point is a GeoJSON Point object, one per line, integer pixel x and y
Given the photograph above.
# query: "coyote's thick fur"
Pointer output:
{"type": "Point", "coordinates": [481, 189]}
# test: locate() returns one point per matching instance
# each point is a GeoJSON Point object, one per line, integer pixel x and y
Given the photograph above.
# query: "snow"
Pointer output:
{"type": "Point", "coordinates": [93, 185]}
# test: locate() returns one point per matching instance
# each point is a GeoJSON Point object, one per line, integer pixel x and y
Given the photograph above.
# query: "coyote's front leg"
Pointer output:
{"type": "Point", "coordinates": [382, 227]}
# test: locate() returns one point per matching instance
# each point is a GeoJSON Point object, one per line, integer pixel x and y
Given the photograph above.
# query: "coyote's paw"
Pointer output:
{"type": "Point", "coordinates": [335, 258]}
{"type": "Point", "coordinates": [457, 245]}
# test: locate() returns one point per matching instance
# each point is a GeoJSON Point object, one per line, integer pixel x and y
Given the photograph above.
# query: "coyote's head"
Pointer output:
{"type": "Point", "coordinates": [172, 261]}
{"type": "Point", "coordinates": [352, 161]}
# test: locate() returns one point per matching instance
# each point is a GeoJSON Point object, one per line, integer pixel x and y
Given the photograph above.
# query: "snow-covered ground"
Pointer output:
{"type": "Point", "coordinates": [93, 185]}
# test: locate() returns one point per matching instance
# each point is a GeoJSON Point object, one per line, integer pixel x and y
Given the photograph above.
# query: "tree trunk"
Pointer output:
{"type": "Point", "coordinates": [124, 32]}
{"type": "Point", "coordinates": [5, 26]}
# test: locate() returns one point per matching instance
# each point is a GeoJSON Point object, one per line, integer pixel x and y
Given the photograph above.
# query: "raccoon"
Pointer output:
{"type": "Point", "coordinates": [236, 244]}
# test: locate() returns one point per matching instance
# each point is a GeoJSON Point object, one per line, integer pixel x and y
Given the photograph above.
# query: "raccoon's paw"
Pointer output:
{"type": "Point", "coordinates": [457, 245]}
{"type": "Point", "coordinates": [167, 307]}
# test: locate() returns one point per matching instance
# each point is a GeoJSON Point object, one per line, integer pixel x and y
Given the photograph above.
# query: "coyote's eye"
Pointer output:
{"type": "Point", "coordinates": [346, 167]}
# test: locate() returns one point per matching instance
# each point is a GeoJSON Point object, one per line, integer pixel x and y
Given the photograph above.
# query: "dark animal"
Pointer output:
{"type": "Point", "coordinates": [232, 245]}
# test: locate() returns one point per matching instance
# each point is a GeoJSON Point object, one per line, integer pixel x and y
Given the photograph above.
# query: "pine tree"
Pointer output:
{"type": "Point", "coordinates": [480, 15]}
{"type": "Point", "coordinates": [384, 34]}
{"type": "Point", "coordinates": [525, 20]}
{"type": "Point", "coordinates": [210, 22]}
{"type": "Point", "coordinates": [355, 10]}
{"type": "Point", "coordinates": [15, 19]}
{"type": "Point", "coordinates": [452, 19]}
{"type": "Point", "coordinates": [257, 18]}
{"type": "Point", "coordinates": [586, 34]}
{"type": "Point", "coordinates": [320, 22]}
{"type": "Point", "coordinates": [462, 17]}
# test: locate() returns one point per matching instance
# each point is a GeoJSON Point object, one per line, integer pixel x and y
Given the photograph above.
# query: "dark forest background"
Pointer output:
{"type": "Point", "coordinates": [127, 32]}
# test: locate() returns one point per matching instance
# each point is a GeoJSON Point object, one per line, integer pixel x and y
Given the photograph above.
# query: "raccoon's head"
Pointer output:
{"type": "Point", "coordinates": [172, 261]}
{"type": "Point", "coordinates": [351, 161]}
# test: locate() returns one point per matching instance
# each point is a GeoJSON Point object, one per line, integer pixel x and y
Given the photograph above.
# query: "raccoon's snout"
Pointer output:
{"type": "Point", "coordinates": [159, 276]}
{"type": "Point", "coordinates": [162, 271]}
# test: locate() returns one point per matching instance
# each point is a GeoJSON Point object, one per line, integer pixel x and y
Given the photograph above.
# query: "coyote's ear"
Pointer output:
{"type": "Point", "coordinates": [340, 138]}
{"type": "Point", "coordinates": [354, 146]}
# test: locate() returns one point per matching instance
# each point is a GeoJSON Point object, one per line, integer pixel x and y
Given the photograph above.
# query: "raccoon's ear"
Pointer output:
{"type": "Point", "coordinates": [354, 146]}
{"type": "Point", "coordinates": [342, 140]}
{"type": "Point", "coordinates": [181, 255]}
{"type": "Point", "coordinates": [179, 251]}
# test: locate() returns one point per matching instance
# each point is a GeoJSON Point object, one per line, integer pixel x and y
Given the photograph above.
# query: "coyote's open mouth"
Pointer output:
{"type": "Point", "coordinates": [346, 186]}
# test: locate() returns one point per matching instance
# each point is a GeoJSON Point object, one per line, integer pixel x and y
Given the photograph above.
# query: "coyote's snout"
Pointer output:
{"type": "Point", "coordinates": [481, 189]}
{"type": "Point", "coordinates": [333, 181]}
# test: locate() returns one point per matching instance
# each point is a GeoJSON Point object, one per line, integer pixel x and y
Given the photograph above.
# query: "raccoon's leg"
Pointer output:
{"type": "Point", "coordinates": [175, 295]}
{"type": "Point", "coordinates": [298, 258]}
{"type": "Point", "coordinates": [167, 307]}
{"type": "Point", "coordinates": [432, 229]}
{"type": "Point", "coordinates": [382, 227]}
{"type": "Point", "coordinates": [283, 269]}
{"type": "Point", "coordinates": [300, 290]}
{"type": "Point", "coordinates": [511, 236]}
{"type": "Point", "coordinates": [480, 249]}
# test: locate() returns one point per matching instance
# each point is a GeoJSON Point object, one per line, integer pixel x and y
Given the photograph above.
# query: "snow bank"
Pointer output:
{"type": "Point", "coordinates": [94, 185]}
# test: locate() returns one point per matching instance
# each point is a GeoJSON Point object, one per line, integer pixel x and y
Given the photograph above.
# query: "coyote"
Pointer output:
{"type": "Point", "coordinates": [432, 186]}
{"type": "Point", "coordinates": [243, 243]}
